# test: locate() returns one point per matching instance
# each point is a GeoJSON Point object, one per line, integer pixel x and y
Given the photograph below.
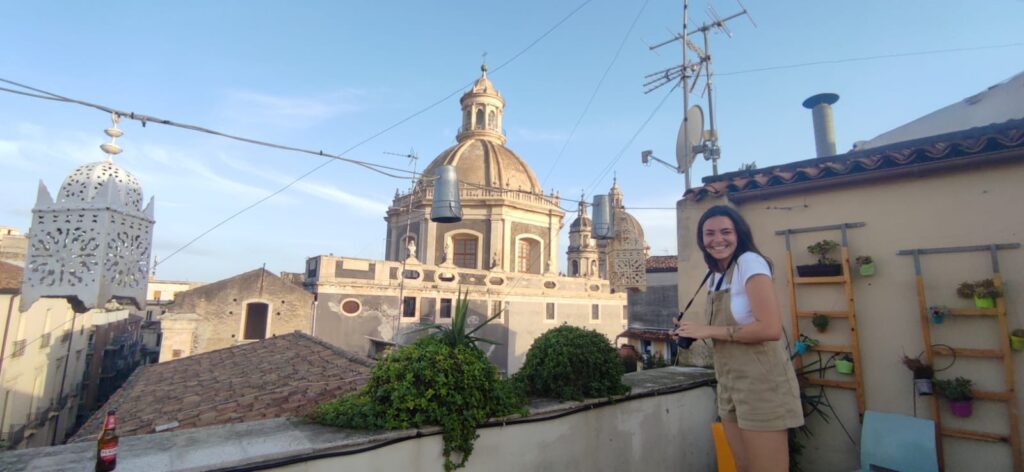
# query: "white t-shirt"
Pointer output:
{"type": "Point", "coordinates": [748, 265]}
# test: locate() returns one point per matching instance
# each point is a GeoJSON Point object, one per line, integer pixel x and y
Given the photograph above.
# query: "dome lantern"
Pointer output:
{"type": "Point", "coordinates": [93, 242]}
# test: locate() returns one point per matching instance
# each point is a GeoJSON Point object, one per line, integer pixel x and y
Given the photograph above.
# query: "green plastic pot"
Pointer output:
{"type": "Point", "coordinates": [984, 302]}
{"type": "Point", "coordinates": [844, 367]}
{"type": "Point", "coordinates": [867, 270]}
{"type": "Point", "coordinates": [1017, 343]}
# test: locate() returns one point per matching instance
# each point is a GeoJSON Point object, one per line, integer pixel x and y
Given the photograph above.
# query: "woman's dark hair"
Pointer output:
{"type": "Point", "coordinates": [744, 238]}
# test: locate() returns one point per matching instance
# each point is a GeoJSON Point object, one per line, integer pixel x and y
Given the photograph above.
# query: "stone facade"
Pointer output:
{"type": "Point", "coordinates": [244, 308]}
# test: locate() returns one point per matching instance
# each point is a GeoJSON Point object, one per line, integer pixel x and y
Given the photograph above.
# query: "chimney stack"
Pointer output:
{"type": "Point", "coordinates": [824, 130]}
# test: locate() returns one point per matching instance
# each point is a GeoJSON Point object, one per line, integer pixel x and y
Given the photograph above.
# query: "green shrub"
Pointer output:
{"type": "Point", "coordinates": [429, 383]}
{"type": "Point", "coordinates": [570, 363]}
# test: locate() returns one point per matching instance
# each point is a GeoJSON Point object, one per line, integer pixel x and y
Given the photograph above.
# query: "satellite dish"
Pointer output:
{"type": "Point", "coordinates": [692, 130]}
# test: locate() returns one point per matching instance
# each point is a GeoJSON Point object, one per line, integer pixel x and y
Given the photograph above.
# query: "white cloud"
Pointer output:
{"type": "Point", "coordinates": [293, 112]}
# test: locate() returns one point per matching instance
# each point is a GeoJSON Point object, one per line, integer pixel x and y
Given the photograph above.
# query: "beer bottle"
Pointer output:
{"type": "Point", "coordinates": [106, 445]}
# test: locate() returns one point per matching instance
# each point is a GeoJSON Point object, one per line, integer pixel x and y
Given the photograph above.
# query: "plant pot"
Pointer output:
{"type": "Point", "coordinates": [938, 317]}
{"type": "Point", "coordinates": [1017, 343]}
{"type": "Point", "coordinates": [844, 367]}
{"type": "Point", "coordinates": [867, 270]}
{"type": "Point", "coordinates": [923, 386]}
{"type": "Point", "coordinates": [961, 408]}
{"type": "Point", "coordinates": [819, 270]}
{"type": "Point", "coordinates": [800, 347]}
{"type": "Point", "coordinates": [984, 302]}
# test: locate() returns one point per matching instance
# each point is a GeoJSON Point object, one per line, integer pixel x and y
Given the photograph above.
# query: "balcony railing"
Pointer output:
{"type": "Point", "coordinates": [44, 341]}
{"type": "Point", "coordinates": [19, 348]}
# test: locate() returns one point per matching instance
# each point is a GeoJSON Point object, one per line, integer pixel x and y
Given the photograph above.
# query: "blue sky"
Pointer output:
{"type": "Point", "coordinates": [327, 75]}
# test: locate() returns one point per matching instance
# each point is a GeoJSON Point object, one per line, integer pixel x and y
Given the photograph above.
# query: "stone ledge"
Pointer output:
{"type": "Point", "coordinates": [277, 442]}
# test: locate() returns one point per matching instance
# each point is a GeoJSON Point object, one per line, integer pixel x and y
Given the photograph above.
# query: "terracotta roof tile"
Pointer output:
{"type": "Point", "coordinates": [662, 263]}
{"type": "Point", "coordinates": [10, 277]}
{"type": "Point", "coordinates": [277, 377]}
{"type": "Point", "coordinates": [647, 334]}
{"type": "Point", "coordinates": [957, 146]}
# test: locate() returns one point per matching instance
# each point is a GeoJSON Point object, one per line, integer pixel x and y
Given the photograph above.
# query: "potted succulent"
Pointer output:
{"type": "Point", "coordinates": [826, 266]}
{"type": "Point", "coordinates": [938, 313]}
{"type": "Point", "coordinates": [958, 392]}
{"type": "Point", "coordinates": [1017, 340]}
{"type": "Point", "coordinates": [866, 265]}
{"type": "Point", "coordinates": [923, 374]}
{"type": "Point", "coordinates": [820, 322]}
{"type": "Point", "coordinates": [844, 365]}
{"type": "Point", "coordinates": [984, 292]}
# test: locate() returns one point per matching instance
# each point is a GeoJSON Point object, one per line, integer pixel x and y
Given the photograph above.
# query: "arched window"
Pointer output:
{"type": "Point", "coordinates": [255, 324]}
{"type": "Point", "coordinates": [466, 120]}
{"type": "Point", "coordinates": [575, 268]}
{"type": "Point", "coordinates": [528, 255]}
{"type": "Point", "coordinates": [491, 124]}
{"type": "Point", "coordinates": [465, 248]}
{"type": "Point", "coordinates": [480, 118]}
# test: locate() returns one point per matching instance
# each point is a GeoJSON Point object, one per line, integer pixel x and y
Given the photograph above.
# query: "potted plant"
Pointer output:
{"type": "Point", "coordinates": [820, 322]}
{"type": "Point", "coordinates": [938, 313]}
{"type": "Point", "coordinates": [826, 265]}
{"type": "Point", "coordinates": [803, 345]}
{"type": "Point", "coordinates": [923, 374]}
{"type": "Point", "coordinates": [844, 365]}
{"type": "Point", "coordinates": [629, 356]}
{"type": "Point", "coordinates": [1017, 340]}
{"type": "Point", "coordinates": [958, 392]}
{"type": "Point", "coordinates": [866, 265]}
{"type": "Point", "coordinates": [984, 292]}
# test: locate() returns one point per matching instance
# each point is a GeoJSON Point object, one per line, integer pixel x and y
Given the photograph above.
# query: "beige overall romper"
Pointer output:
{"type": "Point", "coordinates": [757, 386]}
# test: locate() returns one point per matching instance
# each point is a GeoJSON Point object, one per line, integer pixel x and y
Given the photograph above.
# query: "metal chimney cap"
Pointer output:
{"type": "Point", "coordinates": [826, 98]}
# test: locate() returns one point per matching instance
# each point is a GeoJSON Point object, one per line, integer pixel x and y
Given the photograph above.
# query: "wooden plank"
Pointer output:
{"type": "Point", "coordinates": [978, 435]}
{"type": "Point", "coordinates": [990, 395]}
{"type": "Point", "coordinates": [828, 313]}
{"type": "Point", "coordinates": [819, 280]}
{"type": "Point", "coordinates": [1004, 344]}
{"type": "Point", "coordinates": [858, 372]}
{"type": "Point", "coordinates": [833, 348]}
{"type": "Point", "coordinates": [968, 352]}
{"type": "Point", "coordinates": [793, 310]}
{"type": "Point", "coordinates": [933, 402]}
{"type": "Point", "coordinates": [850, 384]}
{"type": "Point", "coordinates": [974, 311]}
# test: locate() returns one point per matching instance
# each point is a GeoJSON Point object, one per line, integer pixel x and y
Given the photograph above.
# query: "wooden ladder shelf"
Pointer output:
{"type": "Point", "coordinates": [1003, 352]}
{"type": "Point", "coordinates": [849, 314]}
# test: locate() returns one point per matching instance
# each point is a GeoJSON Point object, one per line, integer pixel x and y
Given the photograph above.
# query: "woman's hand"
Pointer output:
{"type": "Point", "coordinates": [697, 330]}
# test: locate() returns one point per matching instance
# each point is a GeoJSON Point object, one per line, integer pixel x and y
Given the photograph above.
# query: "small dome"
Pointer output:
{"type": "Point", "coordinates": [487, 163]}
{"type": "Point", "coordinates": [581, 223]}
{"type": "Point", "coordinates": [87, 181]}
{"type": "Point", "coordinates": [483, 84]}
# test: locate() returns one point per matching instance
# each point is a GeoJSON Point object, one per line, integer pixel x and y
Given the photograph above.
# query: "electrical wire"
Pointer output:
{"type": "Point", "coordinates": [615, 159]}
{"type": "Point", "coordinates": [593, 94]}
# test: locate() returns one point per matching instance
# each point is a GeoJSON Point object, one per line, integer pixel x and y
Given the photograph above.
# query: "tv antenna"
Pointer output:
{"type": "Point", "coordinates": [692, 139]}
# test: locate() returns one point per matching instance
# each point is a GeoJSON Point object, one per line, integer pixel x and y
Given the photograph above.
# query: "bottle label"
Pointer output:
{"type": "Point", "coordinates": [109, 422]}
{"type": "Point", "coordinates": [108, 454]}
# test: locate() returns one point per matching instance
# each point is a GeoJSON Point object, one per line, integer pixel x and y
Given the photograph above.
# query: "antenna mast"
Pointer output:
{"type": "Point", "coordinates": [414, 161]}
{"type": "Point", "coordinates": [708, 143]}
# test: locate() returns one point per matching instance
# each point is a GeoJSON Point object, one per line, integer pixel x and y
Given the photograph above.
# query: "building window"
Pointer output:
{"type": "Point", "coordinates": [500, 309]}
{"type": "Point", "coordinates": [156, 295]}
{"type": "Point", "coordinates": [44, 341]}
{"type": "Point", "coordinates": [19, 348]}
{"type": "Point", "coordinates": [255, 320]}
{"type": "Point", "coordinates": [351, 307]}
{"type": "Point", "coordinates": [523, 256]}
{"type": "Point", "coordinates": [491, 123]}
{"type": "Point", "coordinates": [480, 118]}
{"type": "Point", "coordinates": [625, 312]}
{"type": "Point", "coordinates": [446, 308]}
{"type": "Point", "coordinates": [465, 252]}
{"type": "Point", "coordinates": [409, 307]}
{"type": "Point", "coordinates": [575, 268]}
{"type": "Point", "coordinates": [595, 312]}
{"type": "Point", "coordinates": [549, 313]}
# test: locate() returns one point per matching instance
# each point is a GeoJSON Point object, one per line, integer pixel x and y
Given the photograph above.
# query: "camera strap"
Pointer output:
{"type": "Point", "coordinates": [694, 297]}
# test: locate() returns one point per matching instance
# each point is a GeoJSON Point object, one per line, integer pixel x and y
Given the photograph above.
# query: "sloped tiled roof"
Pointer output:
{"type": "Point", "coordinates": [277, 377]}
{"type": "Point", "coordinates": [647, 334]}
{"type": "Point", "coordinates": [967, 148]}
{"type": "Point", "coordinates": [10, 277]}
{"type": "Point", "coordinates": [662, 264]}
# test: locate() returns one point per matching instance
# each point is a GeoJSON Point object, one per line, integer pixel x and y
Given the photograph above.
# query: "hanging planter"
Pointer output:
{"type": "Point", "coordinates": [1017, 340]}
{"type": "Point", "coordinates": [984, 292]}
{"type": "Point", "coordinates": [923, 387]}
{"type": "Point", "coordinates": [958, 392]}
{"type": "Point", "coordinates": [867, 266]}
{"type": "Point", "coordinates": [938, 313]}
{"type": "Point", "coordinates": [922, 374]}
{"type": "Point", "coordinates": [844, 365]}
{"type": "Point", "coordinates": [826, 266]}
{"type": "Point", "coordinates": [820, 322]}
{"type": "Point", "coordinates": [804, 344]}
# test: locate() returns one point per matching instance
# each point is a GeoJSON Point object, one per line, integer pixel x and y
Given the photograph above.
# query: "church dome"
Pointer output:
{"type": "Point", "coordinates": [87, 181]}
{"type": "Point", "coordinates": [581, 223]}
{"type": "Point", "coordinates": [486, 162]}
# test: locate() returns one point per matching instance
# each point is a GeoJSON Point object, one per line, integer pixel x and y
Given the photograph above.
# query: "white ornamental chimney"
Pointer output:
{"type": "Point", "coordinates": [93, 242]}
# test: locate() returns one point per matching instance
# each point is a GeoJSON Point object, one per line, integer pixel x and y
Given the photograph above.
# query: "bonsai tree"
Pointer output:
{"type": "Point", "coordinates": [820, 322]}
{"type": "Point", "coordinates": [822, 249]}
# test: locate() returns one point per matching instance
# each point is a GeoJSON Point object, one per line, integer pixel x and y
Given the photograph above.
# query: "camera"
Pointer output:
{"type": "Point", "coordinates": [683, 342]}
